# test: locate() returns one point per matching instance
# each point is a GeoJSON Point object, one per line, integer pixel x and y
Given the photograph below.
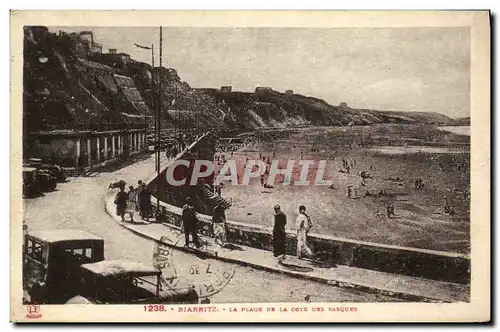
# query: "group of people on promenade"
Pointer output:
{"type": "Point", "coordinates": [190, 224]}
{"type": "Point", "coordinates": [132, 201]}
{"type": "Point", "coordinates": [303, 226]}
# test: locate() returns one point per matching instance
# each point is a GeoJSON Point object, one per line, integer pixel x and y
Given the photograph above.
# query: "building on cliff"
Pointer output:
{"type": "Point", "coordinates": [78, 112]}
{"type": "Point", "coordinates": [83, 43]}
{"type": "Point", "coordinates": [263, 89]}
{"type": "Point", "coordinates": [226, 89]}
{"type": "Point", "coordinates": [113, 59]}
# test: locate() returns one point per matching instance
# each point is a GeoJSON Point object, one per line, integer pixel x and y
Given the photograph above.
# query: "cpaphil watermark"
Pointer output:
{"type": "Point", "coordinates": [190, 172]}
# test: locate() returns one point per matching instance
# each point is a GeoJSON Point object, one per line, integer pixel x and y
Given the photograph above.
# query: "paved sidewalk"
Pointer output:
{"type": "Point", "coordinates": [406, 287]}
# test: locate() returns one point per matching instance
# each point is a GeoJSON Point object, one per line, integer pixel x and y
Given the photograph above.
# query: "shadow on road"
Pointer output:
{"type": "Point", "coordinates": [34, 196]}
{"type": "Point", "coordinates": [231, 246]}
{"type": "Point", "coordinates": [297, 268]}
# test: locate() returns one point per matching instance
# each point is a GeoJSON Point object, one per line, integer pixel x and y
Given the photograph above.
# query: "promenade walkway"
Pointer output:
{"type": "Point", "coordinates": [404, 287]}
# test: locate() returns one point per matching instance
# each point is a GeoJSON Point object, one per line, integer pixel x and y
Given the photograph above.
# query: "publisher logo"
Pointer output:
{"type": "Point", "coordinates": [33, 311]}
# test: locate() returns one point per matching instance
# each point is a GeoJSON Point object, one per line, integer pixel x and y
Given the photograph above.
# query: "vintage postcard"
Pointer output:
{"type": "Point", "coordinates": [250, 166]}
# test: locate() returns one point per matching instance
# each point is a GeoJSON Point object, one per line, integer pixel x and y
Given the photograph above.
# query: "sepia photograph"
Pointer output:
{"type": "Point", "coordinates": [250, 172]}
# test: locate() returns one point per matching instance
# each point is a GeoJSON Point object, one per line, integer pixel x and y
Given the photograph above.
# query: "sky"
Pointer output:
{"type": "Point", "coordinates": [394, 69]}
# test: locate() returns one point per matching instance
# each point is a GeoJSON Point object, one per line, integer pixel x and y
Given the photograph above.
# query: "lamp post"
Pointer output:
{"type": "Point", "coordinates": [152, 48]}
{"type": "Point", "coordinates": [157, 108]}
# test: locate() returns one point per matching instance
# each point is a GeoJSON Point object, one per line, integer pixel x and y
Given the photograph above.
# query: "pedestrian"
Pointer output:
{"type": "Point", "coordinates": [390, 211]}
{"type": "Point", "coordinates": [304, 225]}
{"type": "Point", "coordinates": [121, 202]}
{"type": "Point", "coordinates": [144, 202]}
{"type": "Point", "coordinates": [378, 215]}
{"type": "Point", "coordinates": [419, 184]}
{"type": "Point", "coordinates": [219, 225]}
{"type": "Point", "coordinates": [363, 181]}
{"type": "Point", "coordinates": [131, 202]}
{"type": "Point", "coordinates": [138, 195]}
{"type": "Point", "coordinates": [349, 191]}
{"type": "Point", "coordinates": [279, 234]}
{"type": "Point", "coordinates": [447, 207]}
{"type": "Point", "coordinates": [190, 223]}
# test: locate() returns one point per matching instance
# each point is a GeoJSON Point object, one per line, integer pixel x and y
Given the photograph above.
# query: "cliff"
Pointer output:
{"type": "Point", "coordinates": [70, 86]}
{"type": "Point", "coordinates": [276, 109]}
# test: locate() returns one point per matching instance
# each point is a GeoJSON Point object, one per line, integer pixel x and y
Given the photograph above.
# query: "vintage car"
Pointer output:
{"type": "Point", "coordinates": [52, 260]}
{"type": "Point", "coordinates": [31, 185]}
{"type": "Point", "coordinates": [68, 266]}
{"type": "Point", "coordinates": [127, 282]}
{"type": "Point", "coordinates": [46, 180]}
{"type": "Point", "coordinates": [56, 171]}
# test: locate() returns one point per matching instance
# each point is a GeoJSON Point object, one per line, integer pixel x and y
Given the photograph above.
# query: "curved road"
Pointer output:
{"type": "Point", "coordinates": [79, 203]}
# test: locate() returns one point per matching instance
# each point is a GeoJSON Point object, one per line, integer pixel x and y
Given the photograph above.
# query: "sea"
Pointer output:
{"type": "Point", "coordinates": [460, 130]}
